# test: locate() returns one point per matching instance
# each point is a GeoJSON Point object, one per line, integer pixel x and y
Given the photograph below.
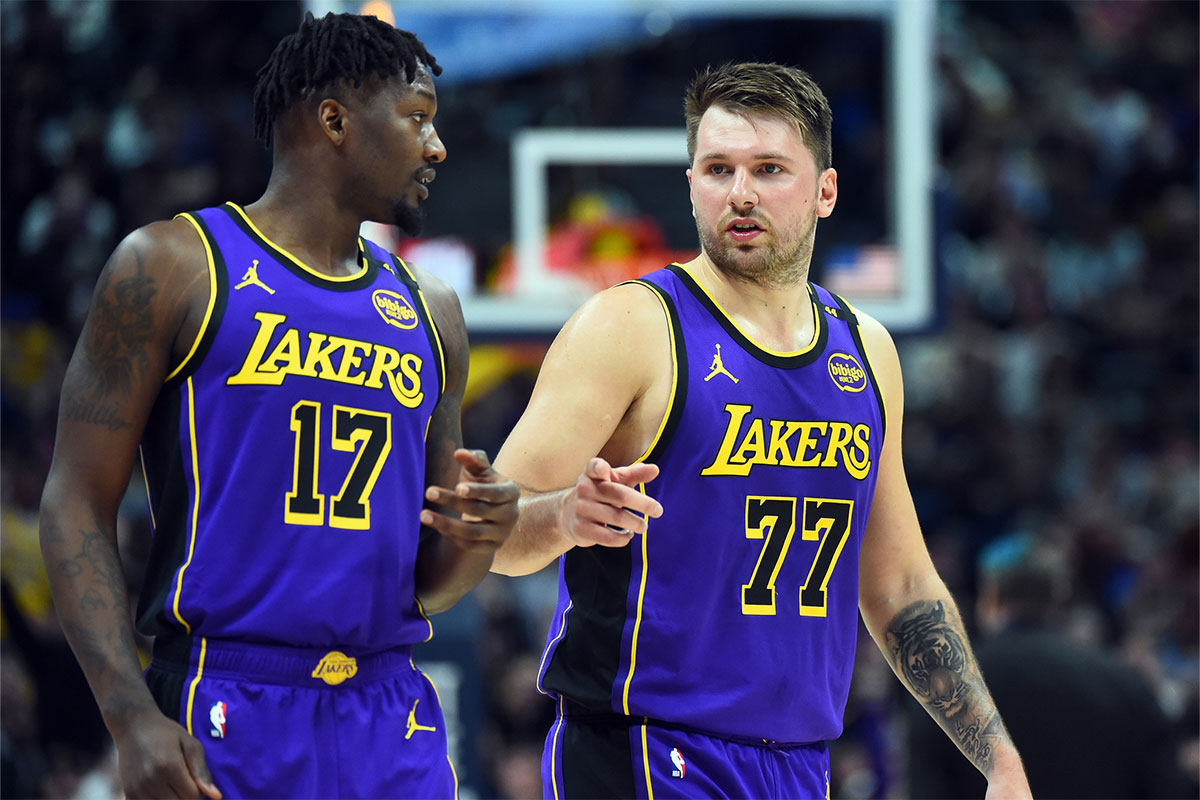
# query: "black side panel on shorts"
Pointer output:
{"type": "Point", "coordinates": [596, 759]}
{"type": "Point", "coordinates": [166, 686]}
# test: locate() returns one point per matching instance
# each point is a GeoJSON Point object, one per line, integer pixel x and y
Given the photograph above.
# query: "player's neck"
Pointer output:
{"type": "Point", "coordinates": [779, 318]}
{"type": "Point", "coordinates": [308, 223]}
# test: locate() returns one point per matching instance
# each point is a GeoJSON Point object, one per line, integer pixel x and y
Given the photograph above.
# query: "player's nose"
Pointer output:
{"type": "Point", "coordinates": [741, 192]}
{"type": "Point", "coordinates": [435, 151]}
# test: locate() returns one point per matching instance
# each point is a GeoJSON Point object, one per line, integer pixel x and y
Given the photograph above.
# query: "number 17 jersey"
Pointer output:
{"type": "Point", "coordinates": [736, 614]}
{"type": "Point", "coordinates": [285, 457]}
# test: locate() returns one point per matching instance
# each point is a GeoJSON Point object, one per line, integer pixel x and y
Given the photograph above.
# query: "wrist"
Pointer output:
{"type": "Point", "coordinates": [122, 710]}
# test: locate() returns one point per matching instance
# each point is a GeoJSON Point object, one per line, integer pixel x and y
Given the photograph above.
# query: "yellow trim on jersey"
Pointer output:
{"type": "Point", "coordinates": [146, 482]}
{"type": "Point", "coordinates": [646, 764]}
{"type": "Point", "coordinates": [562, 630]}
{"type": "Point", "coordinates": [554, 748]}
{"type": "Point", "coordinates": [191, 412]}
{"type": "Point", "coordinates": [437, 337]}
{"type": "Point", "coordinates": [425, 617]}
{"type": "Point", "coordinates": [882, 396]}
{"type": "Point", "coordinates": [195, 682]}
{"type": "Point", "coordinates": [812, 302]}
{"type": "Point", "coordinates": [212, 296]}
{"type": "Point", "coordinates": [662, 424]}
{"type": "Point", "coordinates": [323, 276]}
{"type": "Point", "coordinates": [436, 694]}
{"type": "Point", "coordinates": [637, 623]}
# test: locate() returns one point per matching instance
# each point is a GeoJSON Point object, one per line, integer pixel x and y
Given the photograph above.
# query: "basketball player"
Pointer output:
{"type": "Point", "coordinates": [294, 389]}
{"type": "Point", "coordinates": [706, 623]}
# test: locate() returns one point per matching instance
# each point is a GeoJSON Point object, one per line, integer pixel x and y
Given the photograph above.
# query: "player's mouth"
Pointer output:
{"type": "Point", "coordinates": [423, 178]}
{"type": "Point", "coordinates": [743, 229]}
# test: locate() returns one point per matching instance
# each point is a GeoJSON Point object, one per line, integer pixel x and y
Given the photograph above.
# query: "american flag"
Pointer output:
{"type": "Point", "coordinates": [862, 271]}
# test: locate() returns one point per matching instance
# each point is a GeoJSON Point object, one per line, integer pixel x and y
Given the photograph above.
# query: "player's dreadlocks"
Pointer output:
{"type": "Point", "coordinates": [323, 51]}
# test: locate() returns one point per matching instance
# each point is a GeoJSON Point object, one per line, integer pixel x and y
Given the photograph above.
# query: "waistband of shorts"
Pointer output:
{"type": "Point", "coordinates": [281, 665]}
{"type": "Point", "coordinates": [577, 711]}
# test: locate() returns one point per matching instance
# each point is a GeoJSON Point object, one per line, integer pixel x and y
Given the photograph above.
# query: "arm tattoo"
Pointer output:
{"type": "Point", "coordinates": [929, 651]}
{"type": "Point", "coordinates": [84, 410]}
{"type": "Point", "coordinates": [121, 328]}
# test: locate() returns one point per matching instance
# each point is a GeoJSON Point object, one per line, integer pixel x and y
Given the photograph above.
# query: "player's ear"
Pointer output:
{"type": "Point", "coordinates": [690, 195]}
{"type": "Point", "coordinates": [332, 117]}
{"type": "Point", "coordinates": [827, 188]}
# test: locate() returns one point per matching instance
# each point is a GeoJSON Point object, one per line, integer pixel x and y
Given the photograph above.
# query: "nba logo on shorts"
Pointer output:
{"type": "Point", "coordinates": [680, 765]}
{"type": "Point", "coordinates": [216, 715]}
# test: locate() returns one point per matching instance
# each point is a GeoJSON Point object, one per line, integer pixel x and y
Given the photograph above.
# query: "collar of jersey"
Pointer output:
{"type": "Point", "coordinates": [815, 345]}
{"type": "Point", "coordinates": [364, 263]}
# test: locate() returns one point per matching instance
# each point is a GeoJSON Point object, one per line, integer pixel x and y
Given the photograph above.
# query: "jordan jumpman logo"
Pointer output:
{"type": "Point", "coordinates": [718, 368]}
{"type": "Point", "coordinates": [413, 725]}
{"type": "Point", "coordinates": [251, 277]}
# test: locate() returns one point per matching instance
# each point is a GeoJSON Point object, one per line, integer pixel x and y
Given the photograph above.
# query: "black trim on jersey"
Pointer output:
{"type": "Point", "coordinates": [586, 662]}
{"type": "Point", "coordinates": [362, 281]}
{"type": "Point", "coordinates": [768, 358]}
{"type": "Point", "coordinates": [401, 273]}
{"type": "Point", "coordinates": [167, 482]}
{"type": "Point", "coordinates": [209, 334]}
{"type": "Point", "coordinates": [856, 335]}
{"type": "Point", "coordinates": [597, 759]}
{"type": "Point", "coordinates": [679, 396]}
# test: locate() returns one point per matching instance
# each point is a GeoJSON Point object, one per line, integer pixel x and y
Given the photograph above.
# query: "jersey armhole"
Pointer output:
{"type": "Point", "coordinates": [679, 377]}
{"type": "Point", "coordinates": [405, 275]}
{"type": "Point", "coordinates": [215, 264]}
{"type": "Point", "coordinates": [856, 334]}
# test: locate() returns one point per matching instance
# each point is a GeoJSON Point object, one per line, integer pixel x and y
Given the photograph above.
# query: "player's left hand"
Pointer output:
{"type": "Point", "coordinates": [485, 502]}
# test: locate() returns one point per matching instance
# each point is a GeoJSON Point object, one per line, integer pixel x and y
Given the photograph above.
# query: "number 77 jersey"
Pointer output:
{"type": "Point", "coordinates": [285, 457]}
{"type": "Point", "coordinates": [736, 614]}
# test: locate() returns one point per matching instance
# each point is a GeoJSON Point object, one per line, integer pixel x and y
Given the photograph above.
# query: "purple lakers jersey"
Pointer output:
{"type": "Point", "coordinates": [736, 613]}
{"type": "Point", "coordinates": [285, 457]}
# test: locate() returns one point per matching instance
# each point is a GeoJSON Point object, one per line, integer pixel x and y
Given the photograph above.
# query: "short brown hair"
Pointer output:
{"type": "Point", "coordinates": [786, 92]}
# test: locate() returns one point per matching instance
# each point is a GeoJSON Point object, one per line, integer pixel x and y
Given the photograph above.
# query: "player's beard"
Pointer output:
{"type": "Point", "coordinates": [776, 265]}
{"type": "Point", "coordinates": [408, 218]}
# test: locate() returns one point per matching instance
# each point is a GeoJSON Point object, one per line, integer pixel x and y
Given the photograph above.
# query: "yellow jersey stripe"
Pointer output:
{"type": "Point", "coordinates": [191, 412]}
{"type": "Point", "coordinates": [437, 336]}
{"type": "Point", "coordinates": [212, 296]}
{"type": "Point", "coordinates": [637, 624]}
{"type": "Point", "coordinates": [646, 765]}
{"type": "Point", "coordinates": [196, 682]}
{"type": "Point", "coordinates": [671, 398]}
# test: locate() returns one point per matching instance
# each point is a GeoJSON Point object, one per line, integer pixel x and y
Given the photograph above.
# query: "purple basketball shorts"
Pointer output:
{"type": "Point", "coordinates": [612, 756]}
{"type": "Point", "coordinates": [293, 722]}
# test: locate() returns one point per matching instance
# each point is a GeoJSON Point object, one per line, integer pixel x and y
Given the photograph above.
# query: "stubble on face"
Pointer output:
{"type": "Point", "coordinates": [408, 218]}
{"type": "Point", "coordinates": [777, 265]}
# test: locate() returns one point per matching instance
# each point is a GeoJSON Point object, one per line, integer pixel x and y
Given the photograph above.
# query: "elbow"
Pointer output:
{"type": "Point", "coordinates": [506, 566]}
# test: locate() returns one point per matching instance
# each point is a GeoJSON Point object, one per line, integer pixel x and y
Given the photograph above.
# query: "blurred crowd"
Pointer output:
{"type": "Point", "coordinates": [1055, 398]}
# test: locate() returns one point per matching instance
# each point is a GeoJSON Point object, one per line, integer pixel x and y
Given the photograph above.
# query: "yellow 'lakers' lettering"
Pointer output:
{"type": "Point", "coordinates": [335, 667]}
{"type": "Point", "coordinates": [790, 443]}
{"type": "Point", "coordinates": [329, 358]}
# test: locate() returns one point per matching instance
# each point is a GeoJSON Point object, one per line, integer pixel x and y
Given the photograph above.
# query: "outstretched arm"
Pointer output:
{"type": "Point", "coordinates": [910, 613]}
{"type": "Point", "coordinates": [113, 378]}
{"type": "Point", "coordinates": [601, 392]}
{"type": "Point", "coordinates": [471, 506]}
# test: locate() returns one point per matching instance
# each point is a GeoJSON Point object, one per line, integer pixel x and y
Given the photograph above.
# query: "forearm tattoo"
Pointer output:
{"type": "Point", "coordinates": [929, 651]}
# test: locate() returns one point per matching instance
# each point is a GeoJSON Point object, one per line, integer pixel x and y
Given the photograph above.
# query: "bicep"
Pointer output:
{"type": "Point", "coordinates": [894, 563]}
{"type": "Point", "coordinates": [115, 372]}
{"type": "Point", "coordinates": [445, 423]}
{"type": "Point", "coordinates": [594, 372]}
